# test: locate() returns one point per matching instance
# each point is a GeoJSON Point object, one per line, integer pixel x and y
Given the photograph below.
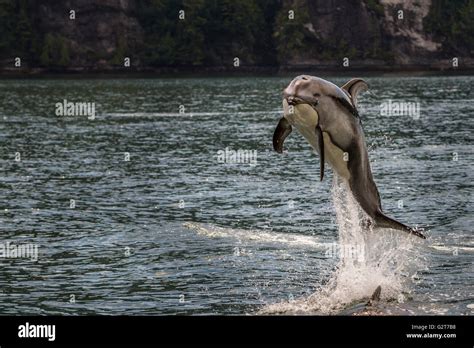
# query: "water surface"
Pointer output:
{"type": "Point", "coordinates": [174, 231]}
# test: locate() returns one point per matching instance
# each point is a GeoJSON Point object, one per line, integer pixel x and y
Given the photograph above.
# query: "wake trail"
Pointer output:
{"type": "Point", "coordinates": [259, 236]}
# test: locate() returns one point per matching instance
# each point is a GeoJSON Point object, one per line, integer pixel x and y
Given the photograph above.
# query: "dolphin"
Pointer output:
{"type": "Point", "coordinates": [327, 117]}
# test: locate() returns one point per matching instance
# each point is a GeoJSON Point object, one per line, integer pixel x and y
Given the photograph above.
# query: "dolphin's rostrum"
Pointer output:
{"type": "Point", "coordinates": [327, 117]}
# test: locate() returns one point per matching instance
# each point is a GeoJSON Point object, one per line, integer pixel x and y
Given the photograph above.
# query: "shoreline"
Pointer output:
{"type": "Point", "coordinates": [243, 71]}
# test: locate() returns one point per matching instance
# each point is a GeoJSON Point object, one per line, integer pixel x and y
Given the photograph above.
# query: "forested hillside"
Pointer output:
{"type": "Point", "coordinates": [99, 35]}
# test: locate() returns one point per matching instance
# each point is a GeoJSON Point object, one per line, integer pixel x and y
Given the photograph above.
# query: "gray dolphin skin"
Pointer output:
{"type": "Point", "coordinates": [326, 115]}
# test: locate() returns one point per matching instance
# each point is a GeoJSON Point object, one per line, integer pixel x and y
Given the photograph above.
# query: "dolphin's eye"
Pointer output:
{"type": "Point", "coordinates": [316, 95]}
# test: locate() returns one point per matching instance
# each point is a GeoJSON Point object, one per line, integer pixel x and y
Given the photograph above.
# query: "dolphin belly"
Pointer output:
{"type": "Point", "coordinates": [336, 157]}
{"type": "Point", "coordinates": [301, 116]}
{"type": "Point", "coordinates": [306, 119]}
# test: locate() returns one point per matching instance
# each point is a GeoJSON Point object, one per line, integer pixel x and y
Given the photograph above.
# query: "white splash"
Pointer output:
{"type": "Point", "coordinates": [389, 258]}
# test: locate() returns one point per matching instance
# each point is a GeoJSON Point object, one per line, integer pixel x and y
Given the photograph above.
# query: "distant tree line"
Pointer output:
{"type": "Point", "coordinates": [256, 31]}
{"type": "Point", "coordinates": [212, 33]}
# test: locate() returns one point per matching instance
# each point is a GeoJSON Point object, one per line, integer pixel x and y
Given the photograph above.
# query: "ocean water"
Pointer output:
{"type": "Point", "coordinates": [140, 211]}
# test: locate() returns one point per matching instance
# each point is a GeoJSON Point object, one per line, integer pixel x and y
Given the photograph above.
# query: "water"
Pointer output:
{"type": "Point", "coordinates": [174, 231]}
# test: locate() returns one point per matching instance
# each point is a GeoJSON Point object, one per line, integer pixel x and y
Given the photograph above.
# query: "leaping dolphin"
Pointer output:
{"type": "Point", "coordinates": [327, 117]}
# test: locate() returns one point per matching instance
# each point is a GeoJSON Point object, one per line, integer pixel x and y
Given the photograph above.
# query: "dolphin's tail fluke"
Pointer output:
{"type": "Point", "coordinates": [384, 221]}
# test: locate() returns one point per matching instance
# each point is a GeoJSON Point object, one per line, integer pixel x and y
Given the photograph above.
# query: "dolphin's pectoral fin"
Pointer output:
{"type": "Point", "coordinates": [382, 220]}
{"type": "Point", "coordinates": [319, 135]}
{"type": "Point", "coordinates": [281, 132]}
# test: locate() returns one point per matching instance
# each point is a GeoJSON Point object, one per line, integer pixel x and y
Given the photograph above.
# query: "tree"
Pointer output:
{"type": "Point", "coordinates": [47, 50]}
{"type": "Point", "coordinates": [7, 27]}
{"type": "Point", "coordinates": [453, 23]}
{"type": "Point", "coordinates": [24, 30]}
{"type": "Point", "coordinates": [64, 59]}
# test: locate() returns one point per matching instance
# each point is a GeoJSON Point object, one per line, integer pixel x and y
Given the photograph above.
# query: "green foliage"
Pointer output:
{"type": "Point", "coordinates": [453, 22]}
{"type": "Point", "coordinates": [375, 6]}
{"type": "Point", "coordinates": [64, 59]}
{"type": "Point", "coordinates": [294, 39]}
{"type": "Point", "coordinates": [120, 52]}
{"type": "Point", "coordinates": [55, 51]}
{"type": "Point", "coordinates": [214, 32]}
{"type": "Point", "coordinates": [18, 36]}
{"type": "Point", "coordinates": [23, 28]}
{"type": "Point", "coordinates": [290, 33]}
{"type": "Point", "coordinates": [376, 50]}
{"type": "Point", "coordinates": [47, 51]}
{"type": "Point", "coordinates": [7, 27]}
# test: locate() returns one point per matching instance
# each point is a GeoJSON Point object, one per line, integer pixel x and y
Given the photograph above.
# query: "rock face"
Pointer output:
{"type": "Point", "coordinates": [100, 30]}
{"type": "Point", "coordinates": [369, 33]}
{"type": "Point", "coordinates": [403, 25]}
{"type": "Point", "coordinates": [100, 34]}
{"type": "Point", "coordinates": [350, 22]}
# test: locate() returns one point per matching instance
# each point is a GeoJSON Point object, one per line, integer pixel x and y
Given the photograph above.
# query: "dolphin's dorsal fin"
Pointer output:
{"type": "Point", "coordinates": [353, 87]}
{"type": "Point", "coordinates": [375, 296]}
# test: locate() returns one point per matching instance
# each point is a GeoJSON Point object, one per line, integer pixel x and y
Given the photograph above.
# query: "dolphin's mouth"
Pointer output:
{"type": "Point", "coordinates": [293, 100]}
{"type": "Point", "coordinates": [301, 112]}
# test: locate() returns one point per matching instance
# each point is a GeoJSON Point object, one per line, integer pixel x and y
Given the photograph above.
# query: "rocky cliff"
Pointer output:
{"type": "Point", "coordinates": [95, 33]}
{"type": "Point", "coordinates": [385, 33]}
{"type": "Point", "coordinates": [91, 35]}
